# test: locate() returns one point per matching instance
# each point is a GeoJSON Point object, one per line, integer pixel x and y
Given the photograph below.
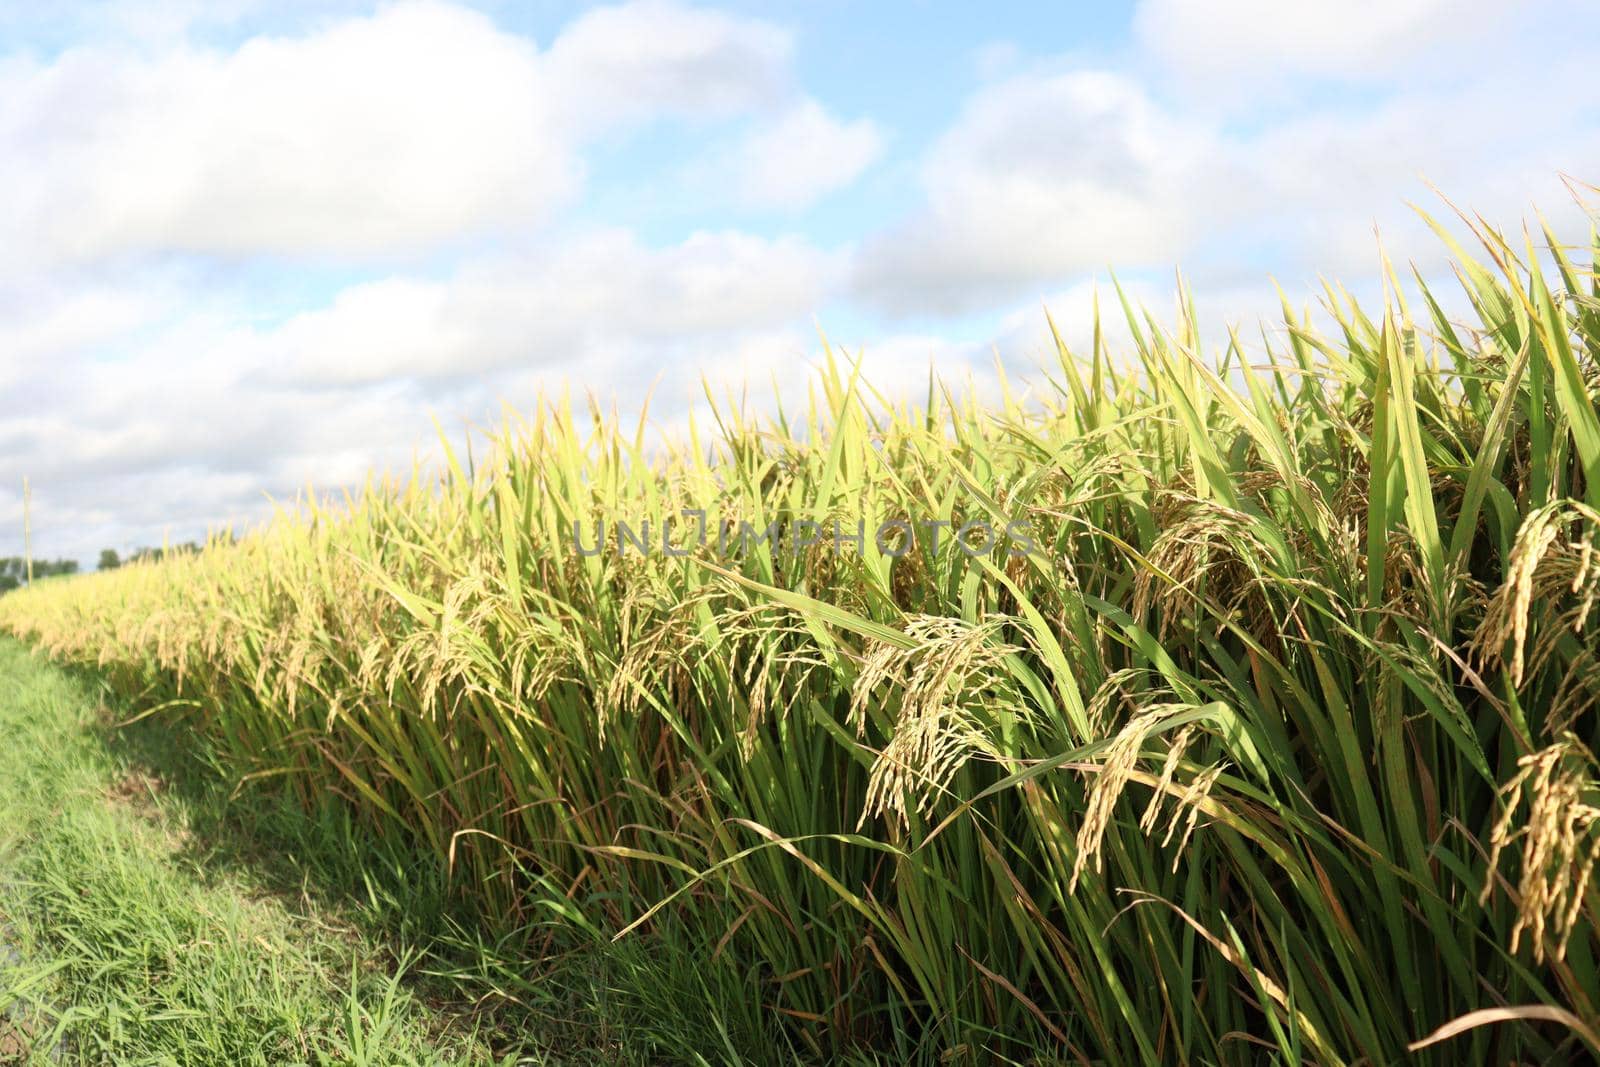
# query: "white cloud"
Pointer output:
{"type": "Point", "coordinates": [1044, 177]}
{"type": "Point", "coordinates": [417, 125]}
{"type": "Point", "coordinates": [1324, 180]}
{"type": "Point", "coordinates": [1047, 177]}
{"type": "Point", "coordinates": [581, 305]}
{"type": "Point", "coordinates": [1242, 41]}
{"type": "Point", "coordinates": [653, 57]}
{"type": "Point", "coordinates": [803, 155]}
{"type": "Point", "coordinates": [202, 410]}
{"type": "Point", "coordinates": [43, 326]}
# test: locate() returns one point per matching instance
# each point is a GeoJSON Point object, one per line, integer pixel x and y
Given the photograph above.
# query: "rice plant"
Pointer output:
{"type": "Point", "coordinates": [1261, 724]}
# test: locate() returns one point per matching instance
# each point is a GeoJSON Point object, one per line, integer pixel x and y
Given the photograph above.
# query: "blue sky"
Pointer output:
{"type": "Point", "coordinates": [256, 245]}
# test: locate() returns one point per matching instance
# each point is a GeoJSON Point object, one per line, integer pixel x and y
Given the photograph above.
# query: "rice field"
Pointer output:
{"type": "Point", "coordinates": [1245, 711]}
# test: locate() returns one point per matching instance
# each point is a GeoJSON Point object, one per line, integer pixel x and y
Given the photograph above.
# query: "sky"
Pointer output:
{"type": "Point", "coordinates": [253, 246]}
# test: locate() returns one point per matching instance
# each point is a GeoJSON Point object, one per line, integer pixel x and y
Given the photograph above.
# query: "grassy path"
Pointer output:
{"type": "Point", "coordinates": [151, 914]}
{"type": "Point", "coordinates": [119, 944]}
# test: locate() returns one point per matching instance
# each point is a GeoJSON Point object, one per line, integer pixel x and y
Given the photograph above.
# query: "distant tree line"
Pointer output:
{"type": "Point", "coordinates": [110, 560]}
{"type": "Point", "coordinates": [14, 570]}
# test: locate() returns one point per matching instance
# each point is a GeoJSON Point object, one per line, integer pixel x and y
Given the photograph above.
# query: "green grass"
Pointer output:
{"type": "Point", "coordinates": [148, 916]}
{"type": "Point", "coordinates": [1276, 743]}
{"type": "Point", "coordinates": [124, 950]}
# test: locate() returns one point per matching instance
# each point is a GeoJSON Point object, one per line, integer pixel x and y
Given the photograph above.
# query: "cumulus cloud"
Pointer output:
{"type": "Point", "coordinates": [650, 57]}
{"type": "Point", "coordinates": [1043, 176]}
{"type": "Point", "coordinates": [41, 326]}
{"type": "Point", "coordinates": [1246, 39]}
{"type": "Point", "coordinates": [203, 410]}
{"type": "Point", "coordinates": [418, 126]}
{"type": "Point", "coordinates": [1321, 182]}
{"type": "Point", "coordinates": [802, 156]}
{"type": "Point", "coordinates": [575, 305]}
{"type": "Point", "coordinates": [1046, 177]}
{"type": "Point", "coordinates": [396, 131]}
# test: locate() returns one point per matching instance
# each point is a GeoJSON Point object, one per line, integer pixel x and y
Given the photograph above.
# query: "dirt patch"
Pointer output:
{"type": "Point", "coordinates": [16, 1040]}
{"type": "Point", "coordinates": [136, 789]}
{"type": "Point", "coordinates": [138, 793]}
